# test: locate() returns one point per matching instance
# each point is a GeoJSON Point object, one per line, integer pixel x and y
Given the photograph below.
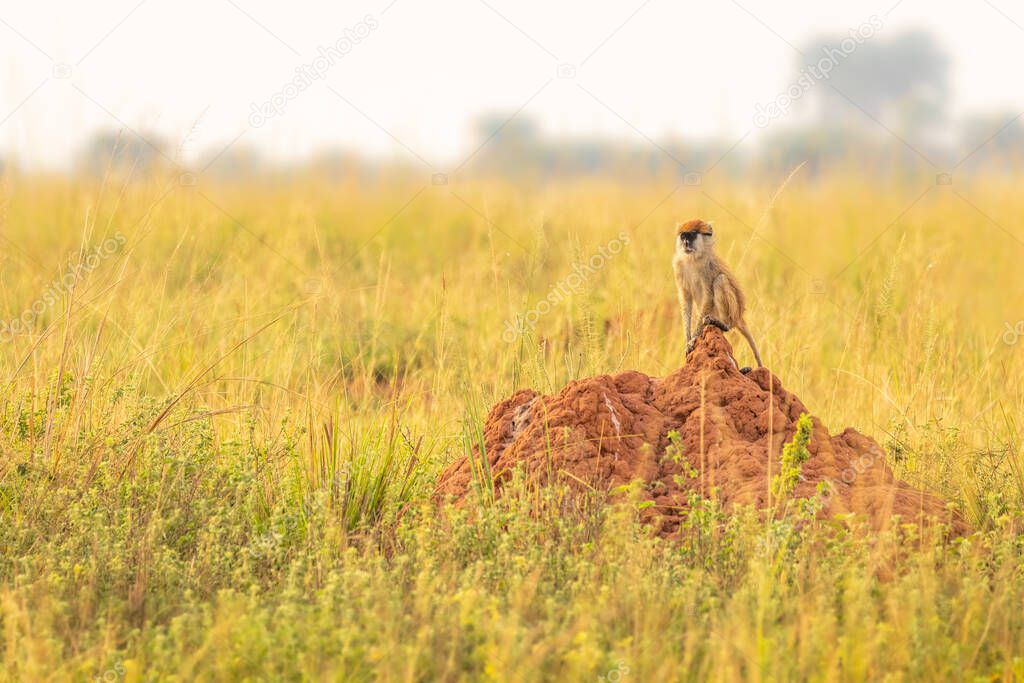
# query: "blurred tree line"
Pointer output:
{"type": "Point", "coordinates": [882, 107]}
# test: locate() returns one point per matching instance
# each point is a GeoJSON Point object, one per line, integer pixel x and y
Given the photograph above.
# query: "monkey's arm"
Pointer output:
{"type": "Point", "coordinates": [688, 314]}
{"type": "Point", "coordinates": [685, 305]}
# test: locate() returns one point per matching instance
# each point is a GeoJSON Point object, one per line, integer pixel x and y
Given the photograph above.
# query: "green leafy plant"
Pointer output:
{"type": "Point", "coordinates": [794, 455]}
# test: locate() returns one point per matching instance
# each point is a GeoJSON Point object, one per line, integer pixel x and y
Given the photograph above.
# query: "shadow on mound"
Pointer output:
{"type": "Point", "coordinates": [609, 430]}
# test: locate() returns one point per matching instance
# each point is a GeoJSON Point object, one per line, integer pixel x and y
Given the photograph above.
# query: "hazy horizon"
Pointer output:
{"type": "Point", "coordinates": [637, 71]}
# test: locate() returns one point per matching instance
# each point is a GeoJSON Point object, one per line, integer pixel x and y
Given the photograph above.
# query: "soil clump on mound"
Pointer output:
{"type": "Point", "coordinates": [610, 430]}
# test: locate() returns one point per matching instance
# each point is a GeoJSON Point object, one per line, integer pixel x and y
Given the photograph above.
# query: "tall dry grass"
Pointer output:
{"type": "Point", "coordinates": [206, 443]}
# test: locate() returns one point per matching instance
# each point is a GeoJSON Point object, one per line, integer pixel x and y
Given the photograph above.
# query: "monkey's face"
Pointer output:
{"type": "Point", "coordinates": [693, 243]}
{"type": "Point", "coordinates": [694, 238]}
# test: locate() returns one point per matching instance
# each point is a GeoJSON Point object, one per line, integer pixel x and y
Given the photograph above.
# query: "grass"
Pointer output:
{"type": "Point", "coordinates": [217, 449]}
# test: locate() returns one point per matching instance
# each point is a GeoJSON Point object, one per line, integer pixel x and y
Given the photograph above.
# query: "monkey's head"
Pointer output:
{"type": "Point", "coordinates": [694, 238]}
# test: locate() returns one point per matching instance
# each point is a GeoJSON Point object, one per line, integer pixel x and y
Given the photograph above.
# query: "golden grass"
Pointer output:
{"type": "Point", "coordinates": [244, 318]}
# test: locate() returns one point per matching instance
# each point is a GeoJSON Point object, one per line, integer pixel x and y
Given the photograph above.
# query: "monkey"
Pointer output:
{"type": "Point", "coordinates": [703, 279]}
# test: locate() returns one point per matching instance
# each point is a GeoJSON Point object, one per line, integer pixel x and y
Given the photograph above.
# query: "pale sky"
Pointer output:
{"type": "Point", "coordinates": [191, 70]}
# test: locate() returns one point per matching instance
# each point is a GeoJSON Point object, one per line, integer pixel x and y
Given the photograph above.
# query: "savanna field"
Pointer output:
{"type": "Point", "coordinates": [218, 444]}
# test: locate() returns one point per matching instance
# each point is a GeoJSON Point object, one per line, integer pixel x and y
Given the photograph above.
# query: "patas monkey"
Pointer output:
{"type": "Point", "coordinates": [703, 280]}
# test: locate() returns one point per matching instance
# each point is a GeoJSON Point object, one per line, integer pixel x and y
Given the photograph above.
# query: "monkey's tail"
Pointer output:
{"type": "Point", "coordinates": [742, 327]}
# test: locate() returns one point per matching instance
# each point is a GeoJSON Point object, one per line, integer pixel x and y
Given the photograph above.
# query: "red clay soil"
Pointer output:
{"type": "Point", "coordinates": [613, 429]}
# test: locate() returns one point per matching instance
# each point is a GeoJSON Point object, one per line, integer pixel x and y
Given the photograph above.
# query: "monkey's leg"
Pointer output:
{"type": "Point", "coordinates": [723, 308]}
{"type": "Point", "coordinates": [705, 320]}
{"type": "Point", "coordinates": [708, 320]}
{"type": "Point", "coordinates": [696, 335]}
